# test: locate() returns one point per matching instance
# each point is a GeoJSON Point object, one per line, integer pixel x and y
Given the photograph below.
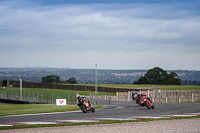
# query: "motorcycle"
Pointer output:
{"type": "Point", "coordinates": [143, 100]}
{"type": "Point", "coordinates": [84, 104]}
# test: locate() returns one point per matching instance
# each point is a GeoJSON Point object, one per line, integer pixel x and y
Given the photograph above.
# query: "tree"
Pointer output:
{"type": "Point", "coordinates": [51, 79]}
{"type": "Point", "coordinates": [171, 80]}
{"type": "Point", "coordinates": [71, 81]}
{"type": "Point", "coordinates": [153, 76]}
{"type": "Point", "coordinates": [158, 76]}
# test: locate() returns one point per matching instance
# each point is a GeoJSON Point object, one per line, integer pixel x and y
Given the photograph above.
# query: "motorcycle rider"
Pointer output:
{"type": "Point", "coordinates": [82, 99]}
{"type": "Point", "coordinates": [139, 97]}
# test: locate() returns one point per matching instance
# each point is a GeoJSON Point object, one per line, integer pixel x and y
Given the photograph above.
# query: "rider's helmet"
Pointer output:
{"type": "Point", "coordinates": [134, 96]}
{"type": "Point", "coordinates": [77, 95]}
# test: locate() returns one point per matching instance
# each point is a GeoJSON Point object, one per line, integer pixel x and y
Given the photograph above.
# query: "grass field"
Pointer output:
{"type": "Point", "coordinates": [60, 92]}
{"type": "Point", "coordinates": [45, 95]}
{"type": "Point", "coordinates": [162, 87]}
{"type": "Point", "coordinates": [17, 109]}
{"type": "Point", "coordinates": [52, 94]}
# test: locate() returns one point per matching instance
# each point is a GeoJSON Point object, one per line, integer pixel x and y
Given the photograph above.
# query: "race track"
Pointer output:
{"type": "Point", "coordinates": [129, 111]}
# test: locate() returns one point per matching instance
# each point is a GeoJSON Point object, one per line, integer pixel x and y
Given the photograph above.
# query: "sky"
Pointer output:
{"type": "Point", "coordinates": [114, 34]}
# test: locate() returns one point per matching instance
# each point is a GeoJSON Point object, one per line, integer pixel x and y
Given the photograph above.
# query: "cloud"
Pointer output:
{"type": "Point", "coordinates": [85, 34]}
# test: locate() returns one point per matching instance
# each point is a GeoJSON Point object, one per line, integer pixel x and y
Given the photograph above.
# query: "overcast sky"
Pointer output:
{"type": "Point", "coordinates": [114, 34]}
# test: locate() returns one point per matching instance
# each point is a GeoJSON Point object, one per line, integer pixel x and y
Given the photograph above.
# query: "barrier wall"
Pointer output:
{"type": "Point", "coordinates": [123, 94]}
{"type": "Point", "coordinates": [164, 96]}
{"type": "Point", "coordinates": [67, 87]}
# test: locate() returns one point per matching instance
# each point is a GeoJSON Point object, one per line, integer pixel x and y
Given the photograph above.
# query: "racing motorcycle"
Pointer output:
{"type": "Point", "coordinates": [84, 104]}
{"type": "Point", "coordinates": [143, 100]}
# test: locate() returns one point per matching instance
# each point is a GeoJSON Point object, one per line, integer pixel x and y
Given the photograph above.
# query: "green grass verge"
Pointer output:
{"type": "Point", "coordinates": [162, 87]}
{"type": "Point", "coordinates": [18, 109]}
{"type": "Point", "coordinates": [55, 91]}
{"type": "Point", "coordinates": [93, 123]}
{"type": "Point", "coordinates": [45, 95]}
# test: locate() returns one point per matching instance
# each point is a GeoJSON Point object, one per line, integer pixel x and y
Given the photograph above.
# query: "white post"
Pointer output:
{"type": "Point", "coordinates": [176, 95]}
{"type": "Point", "coordinates": [159, 91]}
{"type": "Point", "coordinates": [20, 89]}
{"type": "Point", "coordinates": [148, 93]}
{"type": "Point", "coordinates": [179, 100]}
{"type": "Point", "coordinates": [166, 100]}
{"type": "Point", "coordinates": [128, 95]}
{"type": "Point", "coordinates": [192, 97]}
{"type": "Point", "coordinates": [117, 96]}
{"type": "Point", "coordinates": [93, 97]}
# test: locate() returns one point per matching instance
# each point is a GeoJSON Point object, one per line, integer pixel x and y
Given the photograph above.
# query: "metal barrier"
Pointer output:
{"type": "Point", "coordinates": [107, 100]}
{"type": "Point", "coordinates": [37, 96]}
{"type": "Point", "coordinates": [157, 96]}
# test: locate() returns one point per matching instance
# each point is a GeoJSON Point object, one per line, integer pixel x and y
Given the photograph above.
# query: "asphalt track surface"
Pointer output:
{"type": "Point", "coordinates": [119, 111]}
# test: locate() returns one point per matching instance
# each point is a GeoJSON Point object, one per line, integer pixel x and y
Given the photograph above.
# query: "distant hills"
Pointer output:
{"type": "Point", "coordinates": [87, 76]}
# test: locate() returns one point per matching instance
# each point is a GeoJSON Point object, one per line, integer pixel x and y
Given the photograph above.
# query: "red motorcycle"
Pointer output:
{"type": "Point", "coordinates": [143, 100]}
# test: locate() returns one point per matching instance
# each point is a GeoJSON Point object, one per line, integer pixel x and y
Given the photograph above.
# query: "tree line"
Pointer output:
{"type": "Point", "coordinates": [158, 76]}
{"type": "Point", "coordinates": [56, 79]}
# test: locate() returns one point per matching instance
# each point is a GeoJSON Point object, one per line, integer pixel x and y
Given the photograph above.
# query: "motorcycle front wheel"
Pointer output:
{"type": "Point", "coordinates": [83, 108]}
{"type": "Point", "coordinates": [147, 105]}
{"type": "Point", "coordinates": [92, 109]}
